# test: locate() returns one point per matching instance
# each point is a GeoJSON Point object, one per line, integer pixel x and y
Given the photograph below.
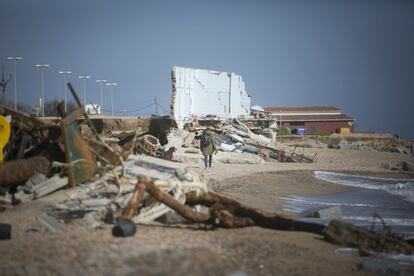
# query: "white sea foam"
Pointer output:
{"type": "Point", "coordinates": [387, 221]}
{"type": "Point", "coordinates": [401, 187]}
{"type": "Point", "coordinates": [307, 201]}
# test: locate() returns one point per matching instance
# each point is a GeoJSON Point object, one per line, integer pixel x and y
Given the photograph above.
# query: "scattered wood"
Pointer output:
{"type": "Point", "coordinates": [366, 241]}
{"type": "Point", "coordinates": [132, 208]}
{"type": "Point", "coordinates": [259, 217]}
{"type": "Point", "coordinates": [228, 213]}
{"type": "Point", "coordinates": [183, 210]}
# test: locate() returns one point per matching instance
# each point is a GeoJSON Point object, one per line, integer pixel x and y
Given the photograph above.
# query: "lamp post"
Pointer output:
{"type": "Point", "coordinates": [15, 59]}
{"type": "Point", "coordinates": [82, 79]}
{"type": "Point", "coordinates": [65, 73]}
{"type": "Point", "coordinates": [101, 82]}
{"type": "Point", "coordinates": [42, 68]}
{"type": "Point", "coordinates": [112, 97]}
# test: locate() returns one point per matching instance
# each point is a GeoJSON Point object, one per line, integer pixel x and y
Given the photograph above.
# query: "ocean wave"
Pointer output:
{"type": "Point", "coordinates": [387, 221]}
{"type": "Point", "coordinates": [400, 187]}
{"type": "Point", "coordinates": [307, 201]}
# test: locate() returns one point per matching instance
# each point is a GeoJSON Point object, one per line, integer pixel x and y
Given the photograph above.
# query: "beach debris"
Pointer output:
{"type": "Point", "coordinates": [39, 185]}
{"type": "Point", "coordinates": [50, 223]}
{"type": "Point", "coordinates": [148, 145]}
{"type": "Point", "coordinates": [232, 137]}
{"type": "Point", "coordinates": [81, 160]}
{"type": "Point", "coordinates": [347, 251]}
{"type": "Point", "coordinates": [333, 212]}
{"type": "Point", "coordinates": [389, 265]}
{"type": "Point", "coordinates": [4, 134]}
{"type": "Point", "coordinates": [17, 172]}
{"type": "Point", "coordinates": [124, 228]}
{"type": "Point", "coordinates": [5, 231]}
{"type": "Point", "coordinates": [367, 242]}
{"type": "Point", "coordinates": [408, 166]}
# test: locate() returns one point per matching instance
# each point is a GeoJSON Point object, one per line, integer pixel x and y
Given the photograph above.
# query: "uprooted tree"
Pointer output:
{"type": "Point", "coordinates": [4, 83]}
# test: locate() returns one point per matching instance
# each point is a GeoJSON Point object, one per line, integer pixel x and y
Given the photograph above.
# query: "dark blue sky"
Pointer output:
{"type": "Point", "coordinates": [357, 55]}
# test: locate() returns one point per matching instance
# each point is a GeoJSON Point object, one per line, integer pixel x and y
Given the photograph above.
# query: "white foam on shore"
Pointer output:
{"type": "Point", "coordinates": [307, 201]}
{"type": "Point", "coordinates": [387, 221]}
{"type": "Point", "coordinates": [401, 187]}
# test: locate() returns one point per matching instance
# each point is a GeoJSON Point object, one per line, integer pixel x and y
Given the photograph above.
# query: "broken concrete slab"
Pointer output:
{"type": "Point", "coordinates": [333, 212]}
{"type": "Point", "coordinates": [226, 147]}
{"type": "Point", "coordinates": [95, 203]}
{"type": "Point", "coordinates": [236, 137]}
{"type": "Point", "coordinates": [152, 167]}
{"type": "Point", "coordinates": [402, 149]}
{"type": "Point", "coordinates": [50, 185]}
{"type": "Point", "coordinates": [50, 223]}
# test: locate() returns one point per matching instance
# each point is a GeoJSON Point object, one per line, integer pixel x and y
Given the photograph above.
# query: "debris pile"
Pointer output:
{"type": "Point", "coordinates": [235, 140]}
{"type": "Point", "coordinates": [125, 180]}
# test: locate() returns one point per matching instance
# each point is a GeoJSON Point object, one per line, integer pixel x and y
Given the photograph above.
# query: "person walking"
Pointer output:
{"type": "Point", "coordinates": [208, 146]}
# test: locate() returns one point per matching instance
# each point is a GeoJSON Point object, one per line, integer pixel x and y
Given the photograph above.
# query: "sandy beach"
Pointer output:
{"type": "Point", "coordinates": [193, 250]}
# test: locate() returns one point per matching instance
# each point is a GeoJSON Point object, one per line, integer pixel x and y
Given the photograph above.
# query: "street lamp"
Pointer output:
{"type": "Point", "coordinates": [82, 79]}
{"type": "Point", "coordinates": [112, 96]}
{"type": "Point", "coordinates": [65, 73]}
{"type": "Point", "coordinates": [42, 68]}
{"type": "Point", "coordinates": [15, 59]}
{"type": "Point", "coordinates": [101, 82]}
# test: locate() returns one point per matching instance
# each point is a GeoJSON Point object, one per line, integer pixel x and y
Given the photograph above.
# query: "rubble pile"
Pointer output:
{"type": "Point", "coordinates": [235, 140]}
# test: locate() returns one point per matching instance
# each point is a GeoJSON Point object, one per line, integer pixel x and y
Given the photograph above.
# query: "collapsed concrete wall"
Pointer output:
{"type": "Point", "coordinates": [198, 92]}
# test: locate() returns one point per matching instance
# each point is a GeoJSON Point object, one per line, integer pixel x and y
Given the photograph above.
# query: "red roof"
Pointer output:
{"type": "Point", "coordinates": [307, 118]}
{"type": "Point", "coordinates": [302, 109]}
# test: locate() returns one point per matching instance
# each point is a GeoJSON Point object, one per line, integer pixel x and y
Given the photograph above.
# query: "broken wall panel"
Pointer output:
{"type": "Point", "coordinates": [198, 92]}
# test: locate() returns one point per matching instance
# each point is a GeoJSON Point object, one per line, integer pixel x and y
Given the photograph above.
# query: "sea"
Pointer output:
{"type": "Point", "coordinates": [372, 203]}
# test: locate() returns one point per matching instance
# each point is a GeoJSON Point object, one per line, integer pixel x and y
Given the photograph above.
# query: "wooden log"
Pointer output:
{"type": "Point", "coordinates": [346, 234]}
{"type": "Point", "coordinates": [183, 210]}
{"type": "Point", "coordinates": [17, 172]}
{"type": "Point", "coordinates": [131, 209]}
{"type": "Point", "coordinates": [259, 217]}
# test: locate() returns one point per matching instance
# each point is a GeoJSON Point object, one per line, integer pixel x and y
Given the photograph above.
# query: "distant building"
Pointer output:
{"type": "Point", "coordinates": [199, 93]}
{"type": "Point", "coordinates": [315, 119]}
{"type": "Point", "coordinates": [93, 109]}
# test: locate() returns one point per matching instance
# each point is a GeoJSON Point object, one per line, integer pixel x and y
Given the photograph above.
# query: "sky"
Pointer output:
{"type": "Point", "coordinates": [357, 55]}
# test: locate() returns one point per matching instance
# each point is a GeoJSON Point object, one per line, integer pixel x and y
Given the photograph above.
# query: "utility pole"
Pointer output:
{"type": "Point", "coordinates": [65, 73]}
{"type": "Point", "coordinates": [82, 80]}
{"type": "Point", "coordinates": [156, 106]}
{"type": "Point", "coordinates": [15, 59]}
{"type": "Point", "coordinates": [101, 82]}
{"type": "Point", "coordinates": [112, 96]}
{"type": "Point", "coordinates": [42, 68]}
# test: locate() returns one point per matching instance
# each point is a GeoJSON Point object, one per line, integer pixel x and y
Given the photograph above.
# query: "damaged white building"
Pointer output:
{"type": "Point", "coordinates": [198, 92]}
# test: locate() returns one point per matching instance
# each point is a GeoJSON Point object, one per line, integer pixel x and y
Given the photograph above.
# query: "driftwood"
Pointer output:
{"type": "Point", "coordinates": [183, 210]}
{"type": "Point", "coordinates": [13, 173]}
{"type": "Point", "coordinates": [131, 209]}
{"type": "Point", "coordinates": [366, 241]}
{"type": "Point", "coordinates": [258, 217]}
{"type": "Point", "coordinates": [229, 213]}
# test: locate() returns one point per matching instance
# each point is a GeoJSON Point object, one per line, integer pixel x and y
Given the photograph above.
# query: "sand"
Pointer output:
{"type": "Point", "coordinates": [181, 250]}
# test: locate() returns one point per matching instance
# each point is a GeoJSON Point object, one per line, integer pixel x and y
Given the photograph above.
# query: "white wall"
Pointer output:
{"type": "Point", "coordinates": [198, 92]}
